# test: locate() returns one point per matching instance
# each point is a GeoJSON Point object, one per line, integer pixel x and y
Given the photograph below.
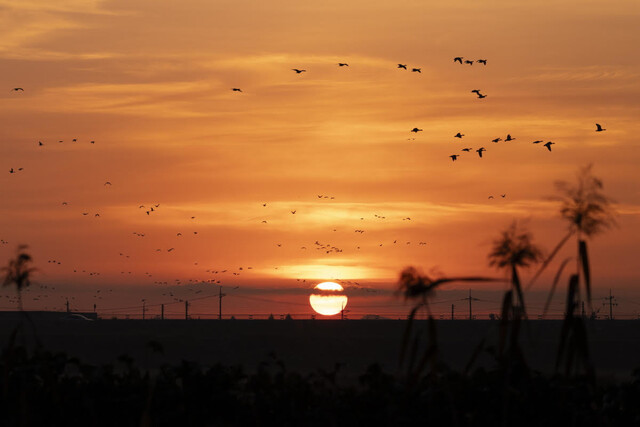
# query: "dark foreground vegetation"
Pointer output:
{"type": "Point", "coordinates": [45, 389]}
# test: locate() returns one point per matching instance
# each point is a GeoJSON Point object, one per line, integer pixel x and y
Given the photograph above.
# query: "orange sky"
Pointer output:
{"type": "Point", "coordinates": [150, 83]}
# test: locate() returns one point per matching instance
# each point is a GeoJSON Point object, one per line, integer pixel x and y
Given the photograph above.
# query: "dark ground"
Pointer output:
{"type": "Point", "coordinates": [306, 345]}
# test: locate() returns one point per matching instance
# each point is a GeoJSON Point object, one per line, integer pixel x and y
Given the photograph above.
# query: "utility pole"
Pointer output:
{"type": "Point", "coordinates": [186, 310]}
{"type": "Point", "coordinates": [68, 311]}
{"type": "Point", "coordinates": [94, 308]}
{"type": "Point", "coordinates": [161, 311]}
{"type": "Point", "coordinates": [144, 307]}
{"type": "Point", "coordinates": [452, 311]}
{"type": "Point", "coordinates": [220, 295]}
{"type": "Point", "coordinates": [610, 302]}
{"type": "Point", "coordinates": [470, 298]}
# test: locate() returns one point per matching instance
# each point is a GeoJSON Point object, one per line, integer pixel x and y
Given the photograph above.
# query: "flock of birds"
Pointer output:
{"type": "Point", "coordinates": [327, 248]}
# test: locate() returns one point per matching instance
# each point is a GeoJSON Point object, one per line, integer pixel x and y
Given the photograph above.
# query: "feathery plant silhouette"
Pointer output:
{"type": "Point", "coordinates": [514, 248]}
{"type": "Point", "coordinates": [419, 288]}
{"type": "Point", "coordinates": [18, 272]}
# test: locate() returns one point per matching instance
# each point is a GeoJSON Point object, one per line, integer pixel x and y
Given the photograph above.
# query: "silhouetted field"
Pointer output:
{"type": "Point", "coordinates": [307, 345]}
{"type": "Point", "coordinates": [132, 373]}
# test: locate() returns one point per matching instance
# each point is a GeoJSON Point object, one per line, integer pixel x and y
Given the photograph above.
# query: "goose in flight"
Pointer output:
{"type": "Point", "coordinates": [454, 157]}
{"type": "Point", "coordinates": [509, 138]}
{"type": "Point", "coordinates": [480, 150]}
{"type": "Point", "coordinates": [416, 130]}
{"type": "Point", "coordinates": [458, 59]}
{"type": "Point", "coordinates": [40, 144]}
{"type": "Point", "coordinates": [467, 149]}
{"type": "Point", "coordinates": [107, 183]}
{"type": "Point", "coordinates": [342, 64]}
{"type": "Point", "coordinates": [548, 145]}
{"type": "Point", "coordinates": [482, 61]}
{"type": "Point", "coordinates": [402, 66]}
{"type": "Point", "coordinates": [458, 135]}
{"type": "Point", "coordinates": [537, 141]}
{"type": "Point", "coordinates": [496, 140]}
{"type": "Point", "coordinates": [264, 204]}
{"type": "Point", "coordinates": [490, 197]}
{"type": "Point", "coordinates": [236, 89]}
{"type": "Point", "coordinates": [17, 89]}
{"type": "Point", "coordinates": [416, 70]}
{"type": "Point", "coordinates": [481, 96]}
{"type": "Point", "coordinates": [468, 61]}
{"type": "Point", "coordinates": [599, 128]}
{"type": "Point", "coordinates": [298, 71]}
{"type": "Point", "coordinates": [503, 195]}
{"type": "Point", "coordinates": [293, 211]}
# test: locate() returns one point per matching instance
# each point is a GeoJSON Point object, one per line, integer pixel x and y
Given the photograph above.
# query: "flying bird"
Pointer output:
{"type": "Point", "coordinates": [503, 195]}
{"type": "Point", "coordinates": [509, 138]}
{"type": "Point", "coordinates": [416, 70]}
{"type": "Point", "coordinates": [496, 140]}
{"type": "Point", "coordinates": [454, 157]}
{"type": "Point", "coordinates": [482, 61]}
{"type": "Point", "coordinates": [481, 96]}
{"type": "Point", "coordinates": [480, 150]}
{"type": "Point", "coordinates": [476, 91]}
{"type": "Point", "coordinates": [416, 130]}
{"type": "Point", "coordinates": [548, 145]}
{"type": "Point", "coordinates": [468, 61]}
{"type": "Point", "coordinates": [467, 149]}
{"type": "Point", "coordinates": [342, 64]}
{"type": "Point", "coordinates": [599, 128]}
{"type": "Point", "coordinates": [293, 212]}
{"type": "Point", "coordinates": [235, 89]}
{"type": "Point", "coordinates": [458, 135]}
{"type": "Point", "coordinates": [458, 59]}
{"type": "Point", "coordinates": [298, 71]}
{"type": "Point", "coordinates": [490, 197]}
{"type": "Point", "coordinates": [16, 89]}
{"type": "Point", "coordinates": [40, 144]}
{"type": "Point", "coordinates": [537, 141]}
{"type": "Point", "coordinates": [402, 66]}
{"type": "Point", "coordinates": [107, 183]}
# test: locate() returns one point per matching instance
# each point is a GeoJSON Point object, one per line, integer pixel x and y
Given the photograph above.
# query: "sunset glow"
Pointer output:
{"type": "Point", "coordinates": [300, 177]}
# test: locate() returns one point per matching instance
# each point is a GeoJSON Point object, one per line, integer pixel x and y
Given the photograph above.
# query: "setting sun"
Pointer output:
{"type": "Point", "coordinates": [327, 298]}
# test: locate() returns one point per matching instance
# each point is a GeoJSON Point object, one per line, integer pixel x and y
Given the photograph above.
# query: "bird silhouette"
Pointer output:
{"type": "Point", "coordinates": [503, 195]}
{"type": "Point", "coordinates": [509, 138]}
{"type": "Point", "coordinates": [235, 89]}
{"type": "Point", "coordinates": [342, 64]}
{"type": "Point", "coordinates": [458, 135]}
{"type": "Point", "coordinates": [490, 197]}
{"type": "Point", "coordinates": [454, 157]}
{"type": "Point", "coordinates": [480, 150]}
{"type": "Point", "coordinates": [476, 91]}
{"type": "Point", "coordinates": [402, 66]}
{"type": "Point", "coordinates": [416, 70]}
{"type": "Point", "coordinates": [599, 128]}
{"type": "Point", "coordinates": [298, 71]}
{"type": "Point", "coordinates": [467, 149]}
{"type": "Point", "coordinates": [16, 89]}
{"type": "Point", "coordinates": [40, 144]}
{"type": "Point", "coordinates": [107, 183]}
{"type": "Point", "coordinates": [537, 141]}
{"type": "Point", "coordinates": [548, 145]}
{"type": "Point", "coordinates": [416, 130]}
{"type": "Point", "coordinates": [496, 140]}
{"type": "Point", "coordinates": [458, 59]}
{"type": "Point", "coordinates": [482, 61]}
{"type": "Point", "coordinates": [293, 212]}
{"type": "Point", "coordinates": [481, 96]}
{"type": "Point", "coordinates": [468, 61]}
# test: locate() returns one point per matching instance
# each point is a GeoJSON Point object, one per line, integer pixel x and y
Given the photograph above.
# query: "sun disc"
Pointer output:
{"type": "Point", "coordinates": [328, 298]}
